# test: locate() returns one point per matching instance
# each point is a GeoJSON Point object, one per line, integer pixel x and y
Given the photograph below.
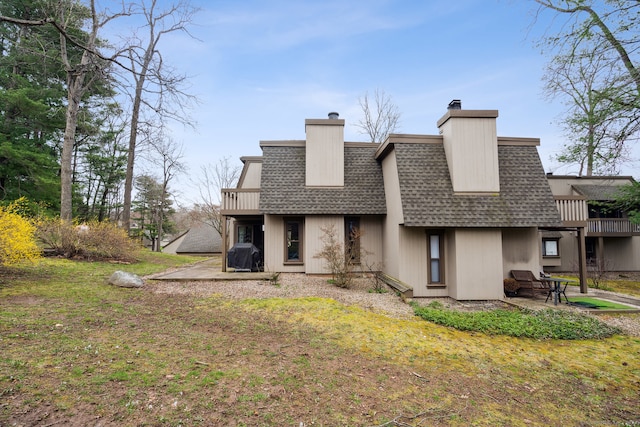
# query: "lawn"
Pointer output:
{"type": "Point", "coordinates": [599, 304]}
{"type": "Point", "coordinates": [77, 351]}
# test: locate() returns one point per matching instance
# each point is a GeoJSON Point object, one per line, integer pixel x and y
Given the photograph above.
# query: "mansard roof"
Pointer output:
{"type": "Point", "coordinates": [428, 199]}
{"type": "Point", "coordinates": [283, 190]}
{"type": "Point", "coordinates": [426, 191]}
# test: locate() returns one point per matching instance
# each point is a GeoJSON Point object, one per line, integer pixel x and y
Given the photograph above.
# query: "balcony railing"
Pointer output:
{"type": "Point", "coordinates": [240, 201]}
{"type": "Point", "coordinates": [575, 213]}
{"type": "Point", "coordinates": [612, 227]}
{"type": "Point", "coordinates": [573, 209]}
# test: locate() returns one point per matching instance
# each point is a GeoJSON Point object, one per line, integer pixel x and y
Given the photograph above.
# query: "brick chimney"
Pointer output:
{"type": "Point", "coordinates": [471, 146]}
{"type": "Point", "coordinates": [325, 151]}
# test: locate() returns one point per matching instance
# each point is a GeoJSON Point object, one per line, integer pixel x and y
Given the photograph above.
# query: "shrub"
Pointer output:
{"type": "Point", "coordinates": [511, 285]}
{"type": "Point", "coordinates": [93, 240]}
{"type": "Point", "coordinates": [337, 260]}
{"type": "Point", "coordinates": [17, 241]}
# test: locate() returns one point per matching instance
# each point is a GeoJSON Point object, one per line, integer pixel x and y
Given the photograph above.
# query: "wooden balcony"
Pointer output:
{"type": "Point", "coordinates": [240, 201]}
{"type": "Point", "coordinates": [612, 227]}
{"type": "Point", "coordinates": [575, 213]}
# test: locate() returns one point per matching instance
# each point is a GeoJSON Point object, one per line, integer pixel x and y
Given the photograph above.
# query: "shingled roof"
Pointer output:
{"type": "Point", "coordinates": [283, 190]}
{"type": "Point", "coordinates": [428, 200]}
{"type": "Point", "coordinates": [201, 238]}
{"type": "Point", "coordinates": [597, 192]}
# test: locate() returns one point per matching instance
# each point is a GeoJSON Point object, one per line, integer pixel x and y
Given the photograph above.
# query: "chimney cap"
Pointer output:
{"type": "Point", "coordinates": [333, 115]}
{"type": "Point", "coordinates": [455, 104]}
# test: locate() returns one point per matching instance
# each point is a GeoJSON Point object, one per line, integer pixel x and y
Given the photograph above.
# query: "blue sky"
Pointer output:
{"type": "Point", "coordinates": [260, 68]}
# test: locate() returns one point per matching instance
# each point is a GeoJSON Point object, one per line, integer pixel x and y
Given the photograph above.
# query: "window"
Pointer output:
{"type": "Point", "coordinates": [550, 247]}
{"type": "Point", "coordinates": [245, 234]}
{"type": "Point", "coordinates": [293, 238]}
{"type": "Point", "coordinates": [352, 238]}
{"type": "Point", "coordinates": [436, 258]}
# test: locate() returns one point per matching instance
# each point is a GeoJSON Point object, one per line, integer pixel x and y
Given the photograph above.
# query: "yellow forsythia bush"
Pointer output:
{"type": "Point", "coordinates": [17, 237]}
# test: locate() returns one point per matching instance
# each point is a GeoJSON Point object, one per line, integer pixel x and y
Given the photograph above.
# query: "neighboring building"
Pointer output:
{"type": "Point", "coordinates": [201, 239]}
{"type": "Point", "coordinates": [449, 214]}
{"type": "Point", "coordinates": [611, 241]}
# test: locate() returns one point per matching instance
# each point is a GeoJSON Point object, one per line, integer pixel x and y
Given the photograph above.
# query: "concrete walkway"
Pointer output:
{"type": "Point", "coordinates": [210, 270]}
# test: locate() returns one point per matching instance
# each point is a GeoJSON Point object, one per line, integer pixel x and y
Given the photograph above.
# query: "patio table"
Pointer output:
{"type": "Point", "coordinates": [557, 288]}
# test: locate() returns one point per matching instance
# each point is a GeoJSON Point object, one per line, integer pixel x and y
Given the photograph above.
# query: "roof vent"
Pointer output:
{"type": "Point", "coordinates": [333, 115]}
{"type": "Point", "coordinates": [456, 104]}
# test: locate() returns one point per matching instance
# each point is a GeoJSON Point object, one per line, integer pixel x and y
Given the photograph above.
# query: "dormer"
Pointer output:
{"type": "Point", "coordinates": [325, 152]}
{"type": "Point", "coordinates": [471, 146]}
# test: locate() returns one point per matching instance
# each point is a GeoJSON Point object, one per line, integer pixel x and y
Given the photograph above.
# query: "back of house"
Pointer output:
{"type": "Point", "coordinates": [449, 214]}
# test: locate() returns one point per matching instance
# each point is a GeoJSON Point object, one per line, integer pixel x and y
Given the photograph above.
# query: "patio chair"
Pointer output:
{"type": "Point", "coordinates": [529, 284]}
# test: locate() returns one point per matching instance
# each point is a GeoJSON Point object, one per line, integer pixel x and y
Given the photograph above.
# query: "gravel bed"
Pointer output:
{"type": "Point", "coordinates": [292, 285]}
{"type": "Point", "coordinates": [298, 285]}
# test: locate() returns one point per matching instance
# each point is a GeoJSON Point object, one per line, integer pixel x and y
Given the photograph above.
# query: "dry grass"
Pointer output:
{"type": "Point", "coordinates": [76, 351]}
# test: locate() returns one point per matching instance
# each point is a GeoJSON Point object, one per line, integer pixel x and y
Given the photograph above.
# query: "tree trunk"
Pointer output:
{"type": "Point", "coordinates": [75, 89]}
{"type": "Point", "coordinates": [133, 136]}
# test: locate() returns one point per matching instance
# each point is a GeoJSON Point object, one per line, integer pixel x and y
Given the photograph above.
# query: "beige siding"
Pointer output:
{"type": "Point", "coordinates": [372, 243]}
{"type": "Point", "coordinates": [521, 250]}
{"type": "Point", "coordinates": [252, 173]}
{"type": "Point", "coordinates": [622, 254]}
{"type": "Point", "coordinates": [414, 263]}
{"type": "Point", "coordinates": [274, 243]}
{"type": "Point", "coordinates": [231, 235]}
{"type": "Point", "coordinates": [391, 229]}
{"type": "Point", "coordinates": [325, 153]}
{"type": "Point", "coordinates": [479, 271]}
{"type": "Point", "coordinates": [568, 247]}
{"type": "Point", "coordinates": [561, 185]}
{"type": "Point", "coordinates": [313, 240]}
{"type": "Point", "coordinates": [451, 263]}
{"type": "Point", "coordinates": [471, 146]}
{"type": "Point", "coordinates": [412, 256]}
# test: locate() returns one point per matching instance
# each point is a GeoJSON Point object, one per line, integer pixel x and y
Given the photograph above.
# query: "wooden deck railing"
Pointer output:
{"type": "Point", "coordinates": [612, 226]}
{"type": "Point", "coordinates": [240, 201]}
{"type": "Point", "coordinates": [573, 209]}
{"type": "Point", "coordinates": [574, 212]}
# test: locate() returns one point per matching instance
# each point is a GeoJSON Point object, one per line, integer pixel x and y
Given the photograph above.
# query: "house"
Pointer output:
{"type": "Point", "coordinates": [611, 241]}
{"type": "Point", "coordinates": [201, 239]}
{"type": "Point", "coordinates": [449, 214]}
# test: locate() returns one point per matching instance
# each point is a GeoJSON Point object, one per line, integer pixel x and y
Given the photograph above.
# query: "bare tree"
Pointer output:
{"type": "Point", "coordinates": [597, 50]}
{"type": "Point", "coordinates": [612, 24]}
{"type": "Point", "coordinates": [381, 116]}
{"type": "Point", "coordinates": [596, 129]}
{"type": "Point", "coordinates": [156, 86]}
{"type": "Point", "coordinates": [167, 155]}
{"type": "Point", "coordinates": [213, 178]}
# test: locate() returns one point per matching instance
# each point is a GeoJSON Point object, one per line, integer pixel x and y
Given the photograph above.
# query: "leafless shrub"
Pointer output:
{"type": "Point", "coordinates": [94, 240]}
{"type": "Point", "coordinates": [597, 272]}
{"type": "Point", "coordinates": [340, 260]}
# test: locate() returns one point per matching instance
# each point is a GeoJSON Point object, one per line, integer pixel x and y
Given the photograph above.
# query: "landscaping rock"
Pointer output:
{"type": "Point", "coordinates": [126, 280]}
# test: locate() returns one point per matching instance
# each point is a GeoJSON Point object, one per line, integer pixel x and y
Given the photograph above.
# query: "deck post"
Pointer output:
{"type": "Point", "coordinates": [582, 259]}
{"type": "Point", "coordinates": [224, 242]}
